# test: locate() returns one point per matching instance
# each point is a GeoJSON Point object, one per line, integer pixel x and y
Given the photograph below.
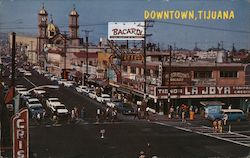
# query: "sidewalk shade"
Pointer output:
{"type": "Point", "coordinates": [191, 115]}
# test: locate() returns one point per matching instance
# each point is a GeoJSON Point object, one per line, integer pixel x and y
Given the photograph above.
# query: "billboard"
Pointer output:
{"type": "Point", "coordinates": [20, 127]}
{"type": "Point", "coordinates": [126, 30]}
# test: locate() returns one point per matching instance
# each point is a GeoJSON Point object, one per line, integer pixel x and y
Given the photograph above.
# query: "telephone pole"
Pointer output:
{"type": "Point", "coordinates": [146, 25]}
{"type": "Point", "coordinates": [169, 77]}
{"type": "Point", "coordinates": [87, 52]}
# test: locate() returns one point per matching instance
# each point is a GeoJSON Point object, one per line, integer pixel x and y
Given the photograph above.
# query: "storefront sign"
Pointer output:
{"type": "Point", "coordinates": [132, 57]}
{"type": "Point", "coordinates": [204, 91]}
{"type": "Point", "coordinates": [20, 127]}
{"type": "Point", "coordinates": [178, 78]}
{"type": "Point", "coordinates": [159, 83]}
{"type": "Point", "coordinates": [126, 30]}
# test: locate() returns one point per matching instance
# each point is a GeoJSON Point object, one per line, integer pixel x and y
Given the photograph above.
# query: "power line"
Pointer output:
{"type": "Point", "coordinates": [203, 27]}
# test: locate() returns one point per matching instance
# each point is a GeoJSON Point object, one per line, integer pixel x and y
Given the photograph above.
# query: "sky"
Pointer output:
{"type": "Point", "coordinates": [21, 16]}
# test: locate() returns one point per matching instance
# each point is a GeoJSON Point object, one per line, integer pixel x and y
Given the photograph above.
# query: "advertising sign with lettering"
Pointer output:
{"type": "Point", "coordinates": [126, 30]}
{"type": "Point", "coordinates": [132, 57]}
{"type": "Point", "coordinates": [205, 91]}
{"type": "Point", "coordinates": [20, 127]}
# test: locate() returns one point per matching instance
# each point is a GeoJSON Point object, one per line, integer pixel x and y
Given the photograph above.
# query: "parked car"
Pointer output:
{"type": "Point", "coordinates": [92, 94]}
{"type": "Point", "coordinates": [39, 91]}
{"type": "Point", "coordinates": [52, 101]}
{"type": "Point", "coordinates": [113, 102]}
{"type": "Point", "coordinates": [34, 106]}
{"type": "Point", "coordinates": [27, 73]}
{"type": "Point", "coordinates": [125, 109]}
{"type": "Point", "coordinates": [54, 78]}
{"type": "Point", "coordinates": [103, 98]}
{"type": "Point", "coordinates": [234, 114]}
{"type": "Point", "coordinates": [81, 88]}
{"type": "Point", "coordinates": [68, 83]}
{"type": "Point", "coordinates": [62, 81]}
{"type": "Point", "coordinates": [60, 110]}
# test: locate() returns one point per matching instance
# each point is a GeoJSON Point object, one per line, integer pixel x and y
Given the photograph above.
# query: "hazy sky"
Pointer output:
{"type": "Point", "coordinates": [21, 16]}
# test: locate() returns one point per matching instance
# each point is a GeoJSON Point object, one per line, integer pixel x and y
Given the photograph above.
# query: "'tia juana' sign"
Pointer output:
{"type": "Point", "coordinates": [20, 127]}
{"type": "Point", "coordinates": [126, 30]}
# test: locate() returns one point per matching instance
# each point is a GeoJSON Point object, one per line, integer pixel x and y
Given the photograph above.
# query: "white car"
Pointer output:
{"type": "Point", "coordinates": [32, 102]}
{"type": "Point", "coordinates": [103, 98]}
{"type": "Point", "coordinates": [27, 73]}
{"type": "Point", "coordinates": [113, 102]}
{"type": "Point", "coordinates": [59, 110]}
{"type": "Point", "coordinates": [20, 87]}
{"type": "Point", "coordinates": [92, 94]}
{"type": "Point", "coordinates": [62, 81]}
{"type": "Point", "coordinates": [23, 92]}
{"type": "Point", "coordinates": [68, 83]}
{"type": "Point", "coordinates": [54, 78]}
{"type": "Point", "coordinates": [81, 89]}
{"type": "Point", "coordinates": [39, 91]}
{"type": "Point", "coordinates": [52, 102]}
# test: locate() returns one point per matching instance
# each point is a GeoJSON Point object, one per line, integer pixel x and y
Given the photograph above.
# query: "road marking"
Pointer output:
{"type": "Point", "coordinates": [30, 82]}
{"type": "Point", "coordinates": [222, 136]}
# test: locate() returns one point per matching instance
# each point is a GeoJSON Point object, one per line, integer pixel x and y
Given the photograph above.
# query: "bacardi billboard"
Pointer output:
{"type": "Point", "coordinates": [126, 30]}
{"type": "Point", "coordinates": [20, 127]}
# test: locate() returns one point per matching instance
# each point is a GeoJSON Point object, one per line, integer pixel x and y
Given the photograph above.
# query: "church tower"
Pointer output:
{"type": "Point", "coordinates": [73, 27]}
{"type": "Point", "coordinates": [42, 28]}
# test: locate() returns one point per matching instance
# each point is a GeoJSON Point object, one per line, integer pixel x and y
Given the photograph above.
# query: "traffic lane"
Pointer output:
{"type": "Point", "coordinates": [68, 96]}
{"type": "Point", "coordinates": [127, 140]}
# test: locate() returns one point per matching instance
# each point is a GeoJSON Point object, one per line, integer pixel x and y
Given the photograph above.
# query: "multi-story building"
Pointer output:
{"type": "Point", "coordinates": [190, 81]}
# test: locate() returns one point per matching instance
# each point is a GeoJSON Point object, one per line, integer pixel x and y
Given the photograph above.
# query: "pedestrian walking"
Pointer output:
{"type": "Point", "coordinates": [107, 114]}
{"type": "Point", "coordinates": [147, 114]}
{"type": "Point", "coordinates": [225, 118]}
{"type": "Point", "coordinates": [73, 115]}
{"type": "Point", "coordinates": [98, 113]}
{"type": "Point", "coordinates": [183, 116]}
{"type": "Point", "coordinates": [114, 115]}
{"type": "Point", "coordinates": [171, 112]}
{"type": "Point", "coordinates": [76, 112]}
{"type": "Point", "coordinates": [139, 113]}
{"type": "Point", "coordinates": [220, 128]}
{"type": "Point", "coordinates": [83, 113]}
{"type": "Point", "coordinates": [215, 126]}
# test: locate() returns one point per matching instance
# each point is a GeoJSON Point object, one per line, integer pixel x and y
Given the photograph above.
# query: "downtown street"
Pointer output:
{"type": "Point", "coordinates": [126, 136]}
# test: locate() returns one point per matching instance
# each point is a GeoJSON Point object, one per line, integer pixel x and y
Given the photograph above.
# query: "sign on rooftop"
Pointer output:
{"type": "Point", "coordinates": [126, 30]}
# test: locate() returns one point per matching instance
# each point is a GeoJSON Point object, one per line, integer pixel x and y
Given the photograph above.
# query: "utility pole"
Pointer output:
{"type": "Point", "coordinates": [87, 52]}
{"type": "Point", "coordinates": [13, 60]}
{"type": "Point", "coordinates": [145, 56]}
{"type": "Point", "coordinates": [65, 52]}
{"type": "Point", "coordinates": [146, 25]}
{"type": "Point", "coordinates": [169, 77]}
{"type": "Point", "coordinates": [31, 50]}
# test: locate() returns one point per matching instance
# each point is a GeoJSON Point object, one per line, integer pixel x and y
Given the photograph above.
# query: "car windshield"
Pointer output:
{"type": "Point", "coordinates": [60, 107]}
{"type": "Point", "coordinates": [36, 107]}
{"type": "Point", "coordinates": [34, 102]}
{"type": "Point", "coordinates": [54, 100]}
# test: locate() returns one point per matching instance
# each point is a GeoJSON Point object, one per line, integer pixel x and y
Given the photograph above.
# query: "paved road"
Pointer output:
{"type": "Point", "coordinates": [125, 138]}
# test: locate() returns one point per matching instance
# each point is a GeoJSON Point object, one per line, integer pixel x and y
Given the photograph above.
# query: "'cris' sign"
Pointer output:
{"type": "Point", "coordinates": [126, 30]}
{"type": "Point", "coordinates": [20, 127]}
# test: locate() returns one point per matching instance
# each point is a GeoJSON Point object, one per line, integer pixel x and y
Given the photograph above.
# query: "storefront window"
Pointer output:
{"type": "Point", "coordinates": [229, 74]}
{"type": "Point", "coordinates": [203, 74]}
